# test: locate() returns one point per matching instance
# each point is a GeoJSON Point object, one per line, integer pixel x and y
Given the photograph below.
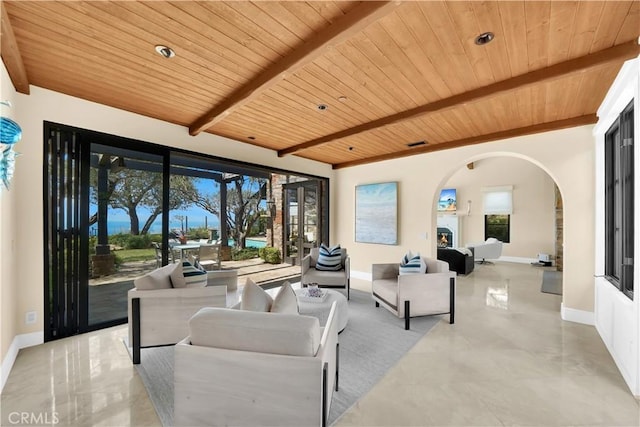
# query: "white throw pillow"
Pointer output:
{"type": "Point", "coordinates": [177, 277]}
{"type": "Point", "coordinates": [254, 298]}
{"type": "Point", "coordinates": [285, 301]}
{"type": "Point", "coordinates": [156, 279]}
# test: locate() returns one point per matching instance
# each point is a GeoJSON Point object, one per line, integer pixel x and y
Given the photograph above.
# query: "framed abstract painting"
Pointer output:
{"type": "Point", "coordinates": [377, 213]}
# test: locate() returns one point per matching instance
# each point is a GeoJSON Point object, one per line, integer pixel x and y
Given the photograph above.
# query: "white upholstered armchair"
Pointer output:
{"type": "Point", "coordinates": [489, 249]}
{"type": "Point", "coordinates": [326, 279]}
{"type": "Point", "coordinates": [249, 368]}
{"type": "Point", "coordinates": [412, 295]}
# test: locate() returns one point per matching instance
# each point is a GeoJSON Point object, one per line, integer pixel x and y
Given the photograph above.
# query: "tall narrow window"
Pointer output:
{"type": "Point", "coordinates": [498, 206]}
{"type": "Point", "coordinates": [619, 178]}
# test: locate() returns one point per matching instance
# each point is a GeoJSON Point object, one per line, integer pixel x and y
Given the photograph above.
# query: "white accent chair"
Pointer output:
{"type": "Point", "coordinates": [489, 249]}
{"type": "Point", "coordinates": [209, 256]}
{"type": "Point", "coordinates": [249, 368]}
{"type": "Point", "coordinates": [326, 279]}
{"type": "Point", "coordinates": [412, 295]}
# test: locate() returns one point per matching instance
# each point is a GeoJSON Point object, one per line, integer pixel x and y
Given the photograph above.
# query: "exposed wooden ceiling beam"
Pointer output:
{"type": "Point", "coordinates": [620, 52]}
{"type": "Point", "coordinates": [344, 28]}
{"type": "Point", "coordinates": [511, 133]}
{"type": "Point", "coordinates": [11, 54]}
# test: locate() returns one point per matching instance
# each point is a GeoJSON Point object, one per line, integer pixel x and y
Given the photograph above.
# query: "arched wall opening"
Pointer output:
{"type": "Point", "coordinates": [535, 224]}
{"type": "Point", "coordinates": [567, 156]}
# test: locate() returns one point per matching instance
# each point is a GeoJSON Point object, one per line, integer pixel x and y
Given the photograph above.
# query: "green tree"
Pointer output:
{"type": "Point", "coordinates": [243, 199]}
{"type": "Point", "coordinates": [130, 189]}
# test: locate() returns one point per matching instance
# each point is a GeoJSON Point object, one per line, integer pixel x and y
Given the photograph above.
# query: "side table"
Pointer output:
{"type": "Point", "coordinates": [321, 309]}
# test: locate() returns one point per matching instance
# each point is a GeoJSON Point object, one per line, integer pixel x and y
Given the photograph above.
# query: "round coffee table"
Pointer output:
{"type": "Point", "coordinates": [321, 309]}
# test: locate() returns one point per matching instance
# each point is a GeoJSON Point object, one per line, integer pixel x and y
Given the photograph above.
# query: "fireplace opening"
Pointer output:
{"type": "Point", "coordinates": [445, 237]}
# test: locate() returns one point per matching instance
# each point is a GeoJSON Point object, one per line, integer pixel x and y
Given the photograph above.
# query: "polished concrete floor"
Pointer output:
{"type": "Point", "coordinates": [508, 360]}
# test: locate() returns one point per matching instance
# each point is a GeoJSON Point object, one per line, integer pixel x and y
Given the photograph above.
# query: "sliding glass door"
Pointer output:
{"type": "Point", "coordinates": [116, 208]}
{"type": "Point", "coordinates": [125, 225]}
{"type": "Point", "coordinates": [302, 223]}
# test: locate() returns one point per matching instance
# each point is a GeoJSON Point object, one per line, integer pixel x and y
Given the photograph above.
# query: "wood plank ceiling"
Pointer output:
{"type": "Point", "coordinates": [390, 73]}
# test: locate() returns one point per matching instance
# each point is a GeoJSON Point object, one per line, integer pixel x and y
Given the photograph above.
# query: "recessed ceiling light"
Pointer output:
{"type": "Point", "coordinates": [484, 38]}
{"type": "Point", "coordinates": [322, 107]}
{"type": "Point", "coordinates": [350, 148]}
{"type": "Point", "coordinates": [165, 51]}
{"type": "Point", "coordinates": [251, 137]}
{"type": "Point", "coordinates": [342, 98]}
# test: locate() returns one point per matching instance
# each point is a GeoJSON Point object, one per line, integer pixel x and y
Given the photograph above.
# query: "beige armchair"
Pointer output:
{"type": "Point", "coordinates": [326, 279]}
{"type": "Point", "coordinates": [249, 368]}
{"type": "Point", "coordinates": [159, 311]}
{"type": "Point", "coordinates": [412, 295]}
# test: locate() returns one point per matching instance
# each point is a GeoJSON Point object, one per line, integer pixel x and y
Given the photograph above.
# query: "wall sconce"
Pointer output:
{"type": "Point", "coordinates": [468, 207]}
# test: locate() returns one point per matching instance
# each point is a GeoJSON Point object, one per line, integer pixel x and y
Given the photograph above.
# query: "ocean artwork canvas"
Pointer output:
{"type": "Point", "coordinates": [377, 213]}
{"type": "Point", "coordinates": [447, 200]}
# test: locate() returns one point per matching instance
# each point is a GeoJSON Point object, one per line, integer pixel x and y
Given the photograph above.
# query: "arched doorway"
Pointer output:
{"type": "Point", "coordinates": [535, 226]}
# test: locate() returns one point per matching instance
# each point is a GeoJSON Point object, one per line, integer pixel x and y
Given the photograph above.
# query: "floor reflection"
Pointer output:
{"type": "Point", "coordinates": [498, 297]}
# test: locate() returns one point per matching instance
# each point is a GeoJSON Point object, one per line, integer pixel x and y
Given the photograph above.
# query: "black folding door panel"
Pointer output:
{"type": "Point", "coordinates": [65, 257]}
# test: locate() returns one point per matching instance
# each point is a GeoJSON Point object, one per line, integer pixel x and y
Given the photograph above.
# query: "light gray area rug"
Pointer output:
{"type": "Point", "coordinates": [373, 341]}
{"type": "Point", "coordinates": [552, 282]}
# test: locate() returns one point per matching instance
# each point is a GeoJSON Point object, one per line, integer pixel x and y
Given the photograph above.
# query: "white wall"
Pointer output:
{"type": "Point", "coordinates": [567, 156]}
{"type": "Point", "coordinates": [618, 317]}
{"type": "Point", "coordinates": [8, 269]}
{"type": "Point", "coordinates": [532, 223]}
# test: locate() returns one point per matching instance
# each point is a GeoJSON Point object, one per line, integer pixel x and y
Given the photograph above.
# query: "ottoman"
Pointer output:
{"type": "Point", "coordinates": [321, 309]}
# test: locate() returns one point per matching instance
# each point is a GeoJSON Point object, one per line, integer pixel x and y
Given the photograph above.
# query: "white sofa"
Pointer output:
{"type": "Point", "coordinates": [412, 295]}
{"type": "Point", "coordinates": [159, 313]}
{"type": "Point", "coordinates": [489, 249]}
{"type": "Point", "coordinates": [252, 368]}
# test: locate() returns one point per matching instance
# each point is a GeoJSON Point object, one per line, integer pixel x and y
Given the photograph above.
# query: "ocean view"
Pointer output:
{"type": "Point", "coordinates": [124, 226]}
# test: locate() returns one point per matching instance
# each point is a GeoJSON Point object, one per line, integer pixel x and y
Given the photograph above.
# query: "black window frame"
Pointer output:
{"type": "Point", "coordinates": [619, 202]}
{"type": "Point", "coordinates": [505, 238]}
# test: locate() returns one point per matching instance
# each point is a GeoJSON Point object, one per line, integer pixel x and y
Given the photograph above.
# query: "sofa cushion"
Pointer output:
{"type": "Point", "coordinates": [329, 259]}
{"type": "Point", "coordinates": [254, 298]}
{"type": "Point", "coordinates": [289, 334]}
{"type": "Point", "coordinates": [415, 265]}
{"type": "Point", "coordinates": [285, 301]}
{"type": "Point", "coordinates": [386, 289]}
{"type": "Point", "coordinates": [156, 279]}
{"type": "Point", "coordinates": [325, 278]}
{"type": "Point", "coordinates": [194, 277]}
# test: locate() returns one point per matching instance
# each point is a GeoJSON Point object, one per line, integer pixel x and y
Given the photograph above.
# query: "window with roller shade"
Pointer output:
{"type": "Point", "coordinates": [498, 206]}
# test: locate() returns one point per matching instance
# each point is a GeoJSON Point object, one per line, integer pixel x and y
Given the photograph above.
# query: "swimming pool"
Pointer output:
{"type": "Point", "coordinates": [251, 242]}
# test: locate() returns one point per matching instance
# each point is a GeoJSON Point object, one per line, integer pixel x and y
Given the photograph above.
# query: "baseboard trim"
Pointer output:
{"type": "Point", "coordinates": [19, 342]}
{"type": "Point", "coordinates": [517, 259]}
{"type": "Point", "coordinates": [577, 316]}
